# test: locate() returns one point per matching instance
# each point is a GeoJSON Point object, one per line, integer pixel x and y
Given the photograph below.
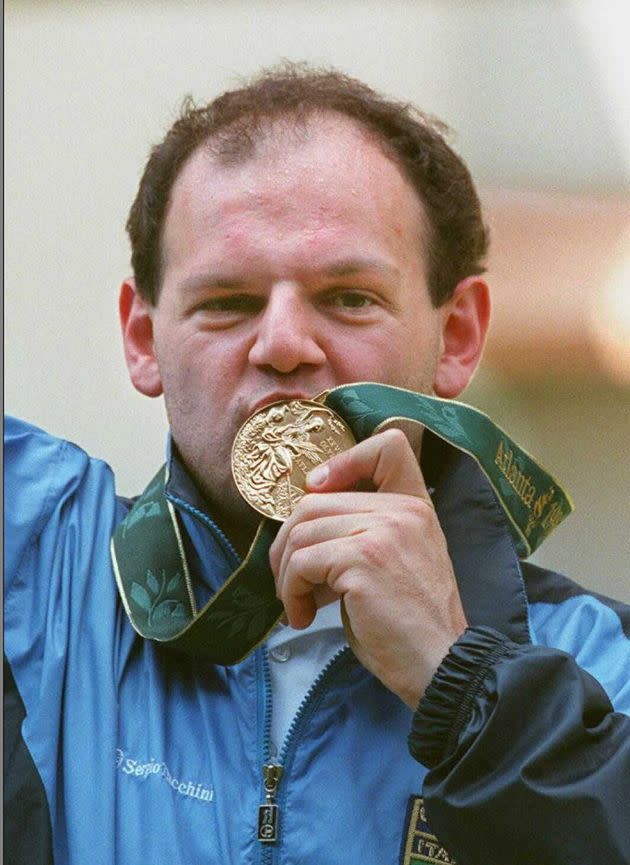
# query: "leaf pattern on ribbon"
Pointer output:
{"type": "Point", "coordinates": [445, 419]}
{"type": "Point", "coordinates": [361, 416]}
{"type": "Point", "coordinates": [159, 601]}
{"type": "Point", "coordinates": [442, 416]}
{"type": "Point", "coordinates": [250, 614]}
{"type": "Point", "coordinates": [140, 511]}
{"type": "Point", "coordinates": [140, 596]}
{"type": "Point", "coordinates": [152, 582]}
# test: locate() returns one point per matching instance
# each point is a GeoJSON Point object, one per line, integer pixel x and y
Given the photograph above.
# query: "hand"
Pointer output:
{"type": "Point", "coordinates": [383, 553]}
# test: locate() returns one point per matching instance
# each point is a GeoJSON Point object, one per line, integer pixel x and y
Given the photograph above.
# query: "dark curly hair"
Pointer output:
{"type": "Point", "coordinates": [232, 124]}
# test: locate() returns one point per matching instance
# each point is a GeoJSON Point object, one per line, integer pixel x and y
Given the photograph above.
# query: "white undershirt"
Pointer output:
{"type": "Point", "coordinates": [296, 658]}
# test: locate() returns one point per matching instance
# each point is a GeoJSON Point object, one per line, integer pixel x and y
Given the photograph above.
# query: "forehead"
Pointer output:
{"type": "Point", "coordinates": [322, 176]}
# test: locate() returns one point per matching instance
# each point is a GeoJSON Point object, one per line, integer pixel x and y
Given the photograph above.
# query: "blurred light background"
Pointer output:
{"type": "Point", "coordinates": [539, 96]}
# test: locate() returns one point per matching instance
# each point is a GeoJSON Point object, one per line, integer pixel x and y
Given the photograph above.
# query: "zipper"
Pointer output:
{"type": "Point", "coordinates": [273, 773]}
{"type": "Point", "coordinates": [268, 813]}
{"type": "Point", "coordinates": [266, 701]}
{"type": "Point", "coordinates": [316, 689]}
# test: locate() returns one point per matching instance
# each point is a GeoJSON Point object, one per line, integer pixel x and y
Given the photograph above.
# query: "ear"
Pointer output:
{"type": "Point", "coordinates": [136, 321]}
{"type": "Point", "coordinates": [465, 321]}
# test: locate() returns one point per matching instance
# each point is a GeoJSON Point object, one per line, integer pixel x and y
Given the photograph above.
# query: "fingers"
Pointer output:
{"type": "Point", "coordinates": [326, 516]}
{"type": "Point", "coordinates": [386, 460]}
{"type": "Point", "coordinates": [321, 541]}
{"type": "Point", "coordinates": [301, 561]}
{"type": "Point", "coordinates": [332, 538]}
{"type": "Point", "coordinates": [313, 530]}
{"type": "Point", "coordinates": [307, 582]}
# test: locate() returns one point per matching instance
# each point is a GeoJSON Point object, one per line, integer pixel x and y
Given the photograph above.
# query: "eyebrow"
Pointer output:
{"type": "Point", "coordinates": [360, 265]}
{"type": "Point", "coordinates": [343, 268]}
{"type": "Point", "coordinates": [206, 280]}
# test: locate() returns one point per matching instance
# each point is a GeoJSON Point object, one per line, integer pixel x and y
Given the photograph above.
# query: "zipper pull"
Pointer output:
{"type": "Point", "coordinates": [268, 813]}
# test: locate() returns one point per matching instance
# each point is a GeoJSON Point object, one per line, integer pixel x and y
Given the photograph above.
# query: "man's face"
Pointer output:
{"type": "Point", "coordinates": [293, 272]}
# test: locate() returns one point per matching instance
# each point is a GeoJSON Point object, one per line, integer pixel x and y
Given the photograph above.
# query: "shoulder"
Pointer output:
{"type": "Point", "coordinates": [557, 591]}
{"type": "Point", "coordinates": [42, 475]}
{"type": "Point", "coordinates": [60, 512]}
{"type": "Point", "coordinates": [593, 628]}
{"type": "Point", "coordinates": [30, 451]}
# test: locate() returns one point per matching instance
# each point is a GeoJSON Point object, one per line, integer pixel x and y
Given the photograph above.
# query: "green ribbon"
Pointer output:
{"type": "Point", "coordinates": [150, 563]}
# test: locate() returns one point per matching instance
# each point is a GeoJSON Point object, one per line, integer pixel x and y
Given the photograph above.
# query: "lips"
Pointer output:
{"type": "Point", "coordinates": [276, 396]}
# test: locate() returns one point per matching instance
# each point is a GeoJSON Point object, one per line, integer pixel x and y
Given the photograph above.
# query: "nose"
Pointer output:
{"type": "Point", "coordinates": [286, 337]}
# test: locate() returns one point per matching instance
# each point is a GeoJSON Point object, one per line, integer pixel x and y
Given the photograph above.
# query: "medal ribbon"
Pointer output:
{"type": "Point", "coordinates": [148, 553]}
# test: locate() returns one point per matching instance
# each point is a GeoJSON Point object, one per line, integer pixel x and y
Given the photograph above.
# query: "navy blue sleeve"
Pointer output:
{"type": "Point", "coordinates": [528, 761]}
{"type": "Point", "coordinates": [24, 801]}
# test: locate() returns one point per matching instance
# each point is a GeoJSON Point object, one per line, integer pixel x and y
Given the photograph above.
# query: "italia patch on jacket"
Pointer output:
{"type": "Point", "coordinates": [419, 843]}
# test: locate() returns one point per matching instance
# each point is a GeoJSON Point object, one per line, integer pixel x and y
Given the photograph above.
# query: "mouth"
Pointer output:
{"type": "Point", "coordinates": [276, 396]}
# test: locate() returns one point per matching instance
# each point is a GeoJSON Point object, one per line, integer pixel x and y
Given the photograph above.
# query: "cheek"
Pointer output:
{"type": "Point", "coordinates": [200, 357]}
{"type": "Point", "coordinates": [203, 381]}
{"type": "Point", "coordinates": [405, 357]}
{"type": "Point", "coordinates": [367, 356]}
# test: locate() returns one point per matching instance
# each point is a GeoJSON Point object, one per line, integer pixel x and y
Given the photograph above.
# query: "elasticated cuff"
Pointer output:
{"type": "Point", "coordinates": [445, 707]}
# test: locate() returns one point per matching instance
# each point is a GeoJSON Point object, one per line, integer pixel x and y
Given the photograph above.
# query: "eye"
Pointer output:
{"type": "Point", "coordinates": [231, 304]}
{"type": "Point", "coordinates": [350, 299]}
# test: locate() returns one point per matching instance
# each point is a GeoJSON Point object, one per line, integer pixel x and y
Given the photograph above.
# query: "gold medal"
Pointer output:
{"type": "Point", "coordinates": [276, 448]}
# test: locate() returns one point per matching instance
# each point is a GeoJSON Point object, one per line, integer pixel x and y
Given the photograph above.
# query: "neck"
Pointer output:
{"type": "Point", "coordinates": [228, 510]}
{"type": "Point", "coordinates": [231, 513]}
{"type": "Point", "coordinates": [238, 521]}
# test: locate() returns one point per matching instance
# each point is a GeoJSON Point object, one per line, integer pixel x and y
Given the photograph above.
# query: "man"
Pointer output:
{"type": "Point", "coordinates": [294, 236]}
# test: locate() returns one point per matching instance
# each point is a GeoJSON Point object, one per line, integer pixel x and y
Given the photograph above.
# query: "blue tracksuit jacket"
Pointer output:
{"type": "Point", "coordinates": [119, 751]}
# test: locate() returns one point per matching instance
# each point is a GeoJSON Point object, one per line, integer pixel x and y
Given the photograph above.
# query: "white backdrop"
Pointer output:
{"type": "Point", "coordinates": [89, 87]}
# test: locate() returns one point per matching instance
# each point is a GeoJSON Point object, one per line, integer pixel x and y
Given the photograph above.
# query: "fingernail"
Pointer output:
{"type": "Point", "coordinates": [317, 477]}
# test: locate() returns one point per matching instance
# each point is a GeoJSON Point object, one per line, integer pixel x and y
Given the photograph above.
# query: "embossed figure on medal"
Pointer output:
{"type": "Point", "coordinates": [276, 448]}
